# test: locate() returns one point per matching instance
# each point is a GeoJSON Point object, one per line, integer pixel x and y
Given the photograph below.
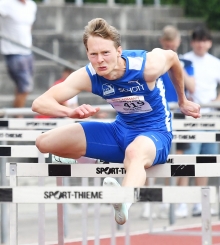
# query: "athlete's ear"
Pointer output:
{"type": "Point", "coordinates": [119, 51]}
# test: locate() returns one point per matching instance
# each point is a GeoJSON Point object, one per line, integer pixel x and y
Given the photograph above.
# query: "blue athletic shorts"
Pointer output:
{"type": "Point", "coordinates": [20, 69]}
{"type": "Point", "coordinates": [108, 141]}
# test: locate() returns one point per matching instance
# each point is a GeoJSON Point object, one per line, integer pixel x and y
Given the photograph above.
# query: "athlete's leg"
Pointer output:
{"type": "Point", "coordinates": [144, 151]}
{"type": "Point", "coordinates": [91, 139]}
{"type": "Point", "coordinates": [139, 155]}
{"type": "Point", "coordinates": [67, 141]}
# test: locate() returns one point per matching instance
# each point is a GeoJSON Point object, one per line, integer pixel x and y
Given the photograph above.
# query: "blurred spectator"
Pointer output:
{"type": "Point", "coordinates": [171, 39]}
{"type": "Point", "coordinates": [207, 77]}
{"type": "Point", "coordinates": [17, 18]}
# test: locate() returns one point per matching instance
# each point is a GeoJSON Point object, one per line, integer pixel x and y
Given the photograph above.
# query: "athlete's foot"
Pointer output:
{"type": "Point", "coordinates": [121, 210]}
{"type": "Point", "coordinates": [57, 159]}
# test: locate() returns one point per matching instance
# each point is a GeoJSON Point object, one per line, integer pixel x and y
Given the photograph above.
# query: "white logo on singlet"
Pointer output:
{"type": "Point", "coordinates": [132, 89]}
{"type": "Point", "coordinates": [108, 89]}
{"type": "Point", "coordinates": [135, 82]}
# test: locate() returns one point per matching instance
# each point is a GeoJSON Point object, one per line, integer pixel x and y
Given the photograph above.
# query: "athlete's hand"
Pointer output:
{"type": "Point", "coordinates": [83, 111]}
{"type": "Point", "coordinates": [190, 108]}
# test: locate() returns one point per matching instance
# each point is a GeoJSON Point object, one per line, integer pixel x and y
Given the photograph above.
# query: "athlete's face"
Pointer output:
{"type": "Point", "coordinates": [103, 55]}
{"type": "Point", "coordinates": [170, 44]}
{"type": "Point", "coordinates": [200, 48]}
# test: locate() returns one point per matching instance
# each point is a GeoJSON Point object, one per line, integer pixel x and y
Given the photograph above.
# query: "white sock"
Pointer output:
{"type": "Point", "coordinates": [86, 160]}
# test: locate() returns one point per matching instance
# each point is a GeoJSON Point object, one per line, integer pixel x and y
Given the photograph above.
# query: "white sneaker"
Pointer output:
{"type": "Point", "coordinates": [121, 210]}
{"type": "Point", "coordinates": [57, 159]}
{"type": "Point", "coordinates": [147, 211]}
{"type": "Point", "coordinates": [182, 211]}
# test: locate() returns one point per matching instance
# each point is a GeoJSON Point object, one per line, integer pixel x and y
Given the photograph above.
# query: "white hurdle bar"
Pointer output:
{"type": "Point", "coordinates": [196, 124]}
{"type": "Point", "coordinates": [171, 194]}
{"type": "Point", "coordinates": [113, 170]}
{"type": "Point", "coordinates": [178, 136]}
{"type": "Point", "coordinates": [27, 123]}
{"type": "Point", "coordinates": [93, 194]}
{"type": "Point", "coordinates": [24, 151]}
{"type": "Point", "coordinates": [178, 124]}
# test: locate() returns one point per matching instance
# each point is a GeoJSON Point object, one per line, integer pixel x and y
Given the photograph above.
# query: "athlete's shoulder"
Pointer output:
{"type": "Point", "coordinates": [135, 58]}
{"type": "Point", "coordinates": [133, 53]}
{"type": "Point", "coordinates": [90, 70]}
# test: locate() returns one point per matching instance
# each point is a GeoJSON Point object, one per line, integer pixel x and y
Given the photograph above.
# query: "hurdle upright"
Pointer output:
{"type": "Point", "coordinates": [169, 194]}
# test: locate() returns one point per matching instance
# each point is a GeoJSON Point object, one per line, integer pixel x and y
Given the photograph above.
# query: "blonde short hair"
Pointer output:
{"type": "Point", "coordinates": [100, 27]}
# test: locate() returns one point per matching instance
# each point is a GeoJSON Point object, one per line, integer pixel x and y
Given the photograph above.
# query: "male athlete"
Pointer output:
{"type": "Point", "coordinates": [129, 80]}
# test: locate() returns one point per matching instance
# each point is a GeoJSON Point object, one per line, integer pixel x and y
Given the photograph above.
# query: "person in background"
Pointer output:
{"type": "Point", "coordinates": [170, 39]}
{"type": "Point", "coordinates": [207, 77]}
{"type": "Point", "coordinates": [17, 18]}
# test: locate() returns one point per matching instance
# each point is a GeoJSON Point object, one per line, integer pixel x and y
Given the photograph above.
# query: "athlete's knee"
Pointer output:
{"type": "Point", "coordinates": [135, 157]}
{"type": "Point", "coordinates": [41, 143]}
{"type": "Point", "coordinates": [131, 156]}
{"type": "Point", "coordinates": [131, 153]}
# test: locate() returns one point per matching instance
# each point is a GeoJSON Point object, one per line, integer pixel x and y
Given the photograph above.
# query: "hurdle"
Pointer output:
{"type": "Point", "coordinates": [117, 170]}
{"type": "Point", "coordinates": [178, 136]}
{"type": "Point", "coordinates": [103, 194]}
{"type": "Point", "coordinates": [169, 194]}
{"type": "Point", "coordinates": [114, 169]}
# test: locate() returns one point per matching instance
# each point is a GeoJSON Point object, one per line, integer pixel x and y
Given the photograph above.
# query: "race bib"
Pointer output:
{"type": "Point", "coordinates": [130, 104]}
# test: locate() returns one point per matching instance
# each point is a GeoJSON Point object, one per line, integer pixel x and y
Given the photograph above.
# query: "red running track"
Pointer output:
{"type": "Point", "coordinates": [158, 239]}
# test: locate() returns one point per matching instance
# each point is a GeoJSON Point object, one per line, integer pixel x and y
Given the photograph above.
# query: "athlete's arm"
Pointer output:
{"type": "Point", "coordinates": [160, 61]}
{"type": "Point", "coordinates": [50, 102]}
